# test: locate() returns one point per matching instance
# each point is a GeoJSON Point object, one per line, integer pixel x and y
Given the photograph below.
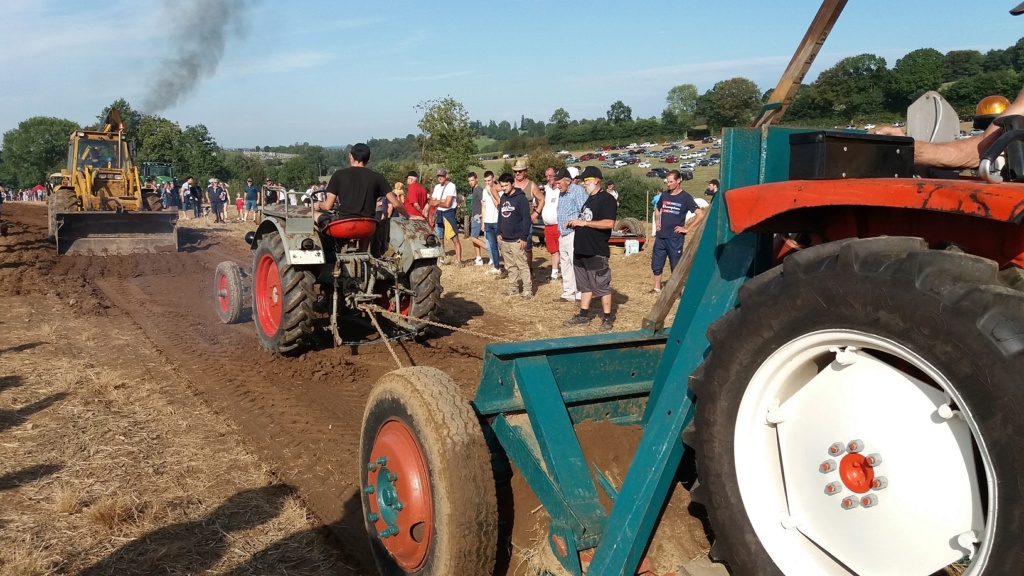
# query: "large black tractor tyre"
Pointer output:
{"type": "Point", "coordinates": [425, 283]}
{"type": "Point", "coordinates": [227, 286]}
{"type": "Point", "coordinates": [947, 320]}
{"type": "Point", "coordinates": [58, 201]}
{"type": "Point", "coordinates": [282, 299]}
{"type": "Point", "coordinates": [631, 226]}
{"type": "Point", "coordinates": [428, 490]}
{"type": "Point", "coordinates": [151, 201]}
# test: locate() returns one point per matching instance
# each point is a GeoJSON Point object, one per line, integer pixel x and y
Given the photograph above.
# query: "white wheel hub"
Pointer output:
{"type": "Point", "coordinates": [851, 459]}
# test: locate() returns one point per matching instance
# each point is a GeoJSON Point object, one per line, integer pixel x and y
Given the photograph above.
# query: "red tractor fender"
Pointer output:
{"type": "Point", "coordinates": [981, 218]}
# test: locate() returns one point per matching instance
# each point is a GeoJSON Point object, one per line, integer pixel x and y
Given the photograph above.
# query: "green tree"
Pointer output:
{"type": "Point", "coordinates": [196, 154]}
{"type": "Point", "coordinates": [35, 149]}
{"type": "Point", "coordinates": [961, 64]}
{"type": "Point", "coordinates": [996, 60]}
{"type": "Point", "coordinates": [682, 102]}
{"type": "Point", "coordinates": [560, 117]}
{"type": "Point", "coordinates": [731, 102]}
{"type": "Point", "coordinates": [619, 113]}
{"type": "Point", "coordinates": [916, 72]}
{"type": "Point", "coordinates": [130, 117]}
{"type": "Point", "coordinates": [850, 88]}
{"type": "Point", "coordinates": [445, 136]}
{"type": "Point", "coordinates": [157, 139]}
{"type": "Point", "coordinates": [297, 173]}
{"type": "Point", "coordinates": [965, 94]}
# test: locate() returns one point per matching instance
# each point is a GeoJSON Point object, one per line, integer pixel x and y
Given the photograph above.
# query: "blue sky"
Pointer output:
{"type": "Point", "coordinates": [333, 73]}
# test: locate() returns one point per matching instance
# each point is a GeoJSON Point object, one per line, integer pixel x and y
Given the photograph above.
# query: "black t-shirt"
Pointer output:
{"type": "Point", "coordinates": [357, 189]}
{"type": "Point", "coordinates": [674, 208]}
{"type": "Point", "coordinates": [591, 241]}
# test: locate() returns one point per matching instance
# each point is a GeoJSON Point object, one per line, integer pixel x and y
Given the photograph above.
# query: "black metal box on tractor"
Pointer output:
{"type": "Point", "coordinates": [834, 155]}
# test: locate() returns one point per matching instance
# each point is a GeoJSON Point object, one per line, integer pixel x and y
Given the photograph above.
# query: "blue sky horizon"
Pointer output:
{"type": "Point", "coordinates": [263, 72]}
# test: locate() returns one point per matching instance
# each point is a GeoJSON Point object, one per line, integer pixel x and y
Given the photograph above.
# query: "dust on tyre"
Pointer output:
{"type": "Point", "coordinates": [59, 201]}
{"type": "Point", "coordinates": [425, 284]}
{"type": "Point", "coordinates": [151, 201]}
{"type": "Point", "coordinates": [858, 414]}
{"type": "Point", "coordinates": [282, 298]}
{"type": "Point", "coordinates": [227, 285]}
{"type": "Point", "coordinates": [428, 491]}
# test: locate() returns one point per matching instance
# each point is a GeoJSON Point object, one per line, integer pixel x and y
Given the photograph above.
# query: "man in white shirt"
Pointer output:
{"type": "Point", "coordinates": [489, 203]}
{"type": "Point", "coordinates": [549, 215]}
{"type": "Point", "coordinates": [444, 199]}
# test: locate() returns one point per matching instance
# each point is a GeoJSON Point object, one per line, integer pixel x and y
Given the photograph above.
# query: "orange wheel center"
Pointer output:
{"type": "Point", "coordinates": [856, 473]}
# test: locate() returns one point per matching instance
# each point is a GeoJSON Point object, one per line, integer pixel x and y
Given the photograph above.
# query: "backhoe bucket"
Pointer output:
{"type": "Point", "coordinates": [114, 233]}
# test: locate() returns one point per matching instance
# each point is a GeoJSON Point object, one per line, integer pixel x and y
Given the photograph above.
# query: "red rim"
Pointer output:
{"type": "Point", "coordinates": [396, 442]}
{"type": "Point", "coordinates": [268, 295]}
{"type": "Point", "coordinates": [223, 298]}
{"type": "Point", "coordinates": [405, 304]}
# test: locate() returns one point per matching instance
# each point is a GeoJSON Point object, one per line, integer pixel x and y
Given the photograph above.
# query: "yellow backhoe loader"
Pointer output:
{"type": "Point", "coordinates": [98, 205]}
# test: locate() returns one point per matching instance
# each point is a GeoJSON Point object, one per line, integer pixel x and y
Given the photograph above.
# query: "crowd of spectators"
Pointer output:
{"type": "Point", "coordinates": [35, 194]}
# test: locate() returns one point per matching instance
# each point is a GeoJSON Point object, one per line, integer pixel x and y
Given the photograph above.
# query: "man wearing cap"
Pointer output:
{"type": "Point", "coordinates": [593, 229]}
{"type": "Point", "coordinates": [671, 225]}
{"type": "Point", "coordinates": [251, 195]}
{"type": "Point", "coordinates": [571, 197]}
{"type": "Point", "coordinates": [216, 197]}
{"type": "Point", "coordinates": [609, 187]}
{"type": "Point", "coordinates": [353, 192]}
{"type": "Point", "coordinates": [444, 200]}
{"type": "Point", "coordinates": [536, 197]}
{"type": "Point", "coordinates": [415, 197]}
{"type": "Point", "coordinates": [712, 188]}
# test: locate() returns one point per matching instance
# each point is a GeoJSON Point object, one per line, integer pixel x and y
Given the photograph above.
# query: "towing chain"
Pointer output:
{"type": "Point", "coordinates": [372, 310]}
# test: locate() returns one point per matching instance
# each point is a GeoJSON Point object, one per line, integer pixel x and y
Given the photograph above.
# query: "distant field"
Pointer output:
{"type": "Point", "coordinates": [482, 141]}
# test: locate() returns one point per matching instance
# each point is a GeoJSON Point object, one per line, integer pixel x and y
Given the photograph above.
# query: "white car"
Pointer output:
{"type": "Point", "coordinates": [563, 153]}
{"type": "Point", "coordinates": [621, 163]}
{"type": "Point", "coordinates": [644, 165]}
{"type": "Point", "coordinates": [647, 144]}
{"type": "Point", "coordinates": [869, 126]}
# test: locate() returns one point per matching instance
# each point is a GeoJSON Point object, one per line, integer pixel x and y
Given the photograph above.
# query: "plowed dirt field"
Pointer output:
{"type": "Point", "coordinates": [298, 418]}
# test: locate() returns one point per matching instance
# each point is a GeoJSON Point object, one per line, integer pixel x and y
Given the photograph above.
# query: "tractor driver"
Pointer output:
{"type": "Point", "coordinates": [353, 191]}
{"type": "Point", "coordinates": [962, 154]}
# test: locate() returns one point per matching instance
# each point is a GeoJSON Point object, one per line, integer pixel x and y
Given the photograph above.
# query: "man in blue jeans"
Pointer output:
{"type": "Point", "coordinates": [489, 202]}
{"type": "Point", "coordinates": [671, 225]}
{"type": "Point", "coordinates": [444, 200]}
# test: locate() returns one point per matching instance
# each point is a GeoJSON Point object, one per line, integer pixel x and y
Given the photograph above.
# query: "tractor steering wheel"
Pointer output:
{"type": "Point", "coordinates": [1010, 143]}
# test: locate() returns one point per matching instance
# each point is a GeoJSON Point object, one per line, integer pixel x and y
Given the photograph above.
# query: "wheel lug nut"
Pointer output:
{"type": "Point", "coordinates": [836, 449]}
{"type": "Point", "coordinates": [382, 461]}
{"type": "Point", "coordinates": [368, 489]}
{"type": "Point", "coordinates": [827, 466]}
{"type": "Point", "coordinates": [874, 459]}
{"type": "Point", "coordinates": [869, 500]}
{"type": "Point", "coordinates": [388, 532]}
{"type": "Point", "coordinates": [879, 483]}
{"type": "Point", "coordinates": [372, 467]}
{"type": "Point", "coordinates": [833, 488]}
{"type": "Point", "coordinates": [372, 517]}
{"type": "Point", "coordinates": [849, 503]}
{"type": "Point", "coordinates": [855, 446]}
{"type": "Point", "coordinates": [392, 476]}
{"type": "Point", "coordinates": [398, 505]}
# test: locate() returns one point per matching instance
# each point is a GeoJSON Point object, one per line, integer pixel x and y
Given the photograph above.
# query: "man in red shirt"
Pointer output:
{"type": "Point", "coordinates": [415, 198]}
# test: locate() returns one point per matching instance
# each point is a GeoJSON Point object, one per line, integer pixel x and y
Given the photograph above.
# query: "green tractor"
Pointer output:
{"type": "Point", "coordinates": [157, 173]}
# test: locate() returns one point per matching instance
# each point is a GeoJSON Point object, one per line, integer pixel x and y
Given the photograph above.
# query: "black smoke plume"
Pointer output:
{"type": "Point", "coordinates": [201, 31]}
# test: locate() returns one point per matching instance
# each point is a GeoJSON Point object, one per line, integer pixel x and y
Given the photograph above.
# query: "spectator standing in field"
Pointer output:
{"type": "Point", "coordinates": [712, 188]}
{"type": "Point", "coordinates": [593, 229]}
{"type": "Point", "coordinates": [671, 225]}
{"type": "Point", "coordinates": [251, 195]}
{"type": "Point", "coordinates": [571, 197]}
{"type": "Point", "coordinates": [197, 198]}
{"type": "Point", "coordinates": [240, 204]}
{"type": "Point", "coordinates": [415, 197]}
{"type": "Point", "coordinates": [489, 206]}
{"type": "Point", "coordinates": [476, 225]}
{"type": "Point", "coordinates": [444, 200]}
{"type": "Point", "coordinates": [225, 200]}
{"type": "Point", "coordinates": [215, 197]}
{"type": "Point", "coordinates": [610, 188]}
{"type": "Point", "coordinates": [549, 215]}
{"type": "Point", "coordinates": [513, 234]}
{"type": "Point", "coordinates": [536, 197]}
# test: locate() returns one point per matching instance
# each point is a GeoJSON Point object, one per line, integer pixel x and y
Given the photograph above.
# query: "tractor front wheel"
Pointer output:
{"type": "Point", "coordinates": [428, 491]}
{"type": "Point", "coordinates": [59, 201]}
{"type": "Point", "coordinates": [227, 285]}
{"type": "Point", "coordinates": [859, 414]}
{"type": "Point", "coordinates": [282, 299]}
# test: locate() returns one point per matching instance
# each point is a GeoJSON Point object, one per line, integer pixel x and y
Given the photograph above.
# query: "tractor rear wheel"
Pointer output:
{"type": "Point", "coordinates": [428, 491]}
{"type": "Point", "coordinates": [631, 226]}
{"type": "Point", "coordinates": [59, 201]}
{"type": "Point", "coordinates": [859, 414]}
{"type": "Point", "coordinates": [227, 283]}
{"type": "Point", "coordinates": [282, 299]}
{"type": "Point", "coordinates": [151, 201]}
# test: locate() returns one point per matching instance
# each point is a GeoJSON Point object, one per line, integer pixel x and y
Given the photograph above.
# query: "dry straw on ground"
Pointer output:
{"type": "Point", "coordinates": [122, 471]}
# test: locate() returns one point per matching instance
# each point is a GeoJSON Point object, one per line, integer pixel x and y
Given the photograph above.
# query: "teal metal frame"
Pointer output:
{"type": "Point", "coordinates": [532, 393]}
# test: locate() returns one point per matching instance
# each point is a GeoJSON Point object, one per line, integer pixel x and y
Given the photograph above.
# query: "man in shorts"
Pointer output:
{"type": "Point", "coordinates": [593, 229]}
{"type": "Point", "coordinates": [444, 200]}
{"type": "Point", "coordinates": [353, 191]}
{"type": "Point", "coordinates": [251, 195]}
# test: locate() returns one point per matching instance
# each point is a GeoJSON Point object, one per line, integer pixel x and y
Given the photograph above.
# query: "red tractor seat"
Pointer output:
{"type": "Point", "coordinates": [351, 228]}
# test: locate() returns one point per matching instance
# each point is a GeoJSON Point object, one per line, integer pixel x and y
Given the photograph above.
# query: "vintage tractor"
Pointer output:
{"type": "Point", "coordinates": [354, 267]}
{"type": "Point", "coordinates": [844, 361]}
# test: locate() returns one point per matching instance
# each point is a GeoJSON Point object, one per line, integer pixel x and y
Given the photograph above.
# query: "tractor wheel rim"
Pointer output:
{"type": "Point", "coordinates": [223, 298]}
{"type": "Point", "coordinates": [804, 452]}
{"type": "Point", "coordinates": [269, 306]}
{"type": "Point", "coordinates": [398, 491]}
{"type": "Point", "coordinates": [403, 307]}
